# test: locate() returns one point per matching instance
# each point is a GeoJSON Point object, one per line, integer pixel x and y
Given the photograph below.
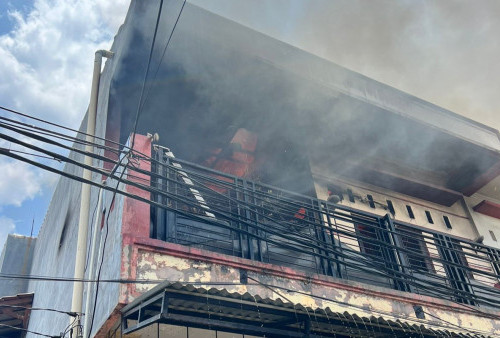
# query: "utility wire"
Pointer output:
{"type": "Point", "coordinates": [385, 313]}
{"type": "Point", "coordinates": [28, 331]}
{"type": "Point", "coordinates": [146, 201]}
{"type": "Point", "coordinates": [28, 153]}
{"type": "Point", "coordinates": [137, 115]}
{"type": "Point", "coordinates": [112, 281]}
{"type": "Point", "coordinates": [188, 201]}
{"type": "Point", "coordinates": [163, 54]}
{"type": "Point", "coordinates": [59, 125]}
{"type": "Point", "coordinates": [360, 267]}
{"type": "Point", "coordinates": [72, 314]}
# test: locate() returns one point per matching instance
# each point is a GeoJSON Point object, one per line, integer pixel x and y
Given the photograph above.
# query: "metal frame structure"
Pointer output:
{"type": "Point", "coordinates": [217, 310]}
{"type": "Point", "coordinates": [267, 224]}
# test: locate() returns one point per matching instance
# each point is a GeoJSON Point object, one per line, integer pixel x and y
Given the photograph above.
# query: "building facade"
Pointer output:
{"type": "Point", "coordinates": [270, 192]}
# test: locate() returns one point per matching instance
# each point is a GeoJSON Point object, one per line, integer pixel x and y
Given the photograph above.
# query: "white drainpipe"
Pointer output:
{"type": "Point", "coordinates": [83, 223]}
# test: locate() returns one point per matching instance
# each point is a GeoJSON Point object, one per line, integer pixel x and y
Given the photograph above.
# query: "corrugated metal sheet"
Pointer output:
{"type": "Point", "coordinates": [352, 323]}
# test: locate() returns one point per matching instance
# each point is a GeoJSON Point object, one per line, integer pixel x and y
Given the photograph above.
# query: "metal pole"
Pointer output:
{"type": "Point", "coordinates": [81, 247]}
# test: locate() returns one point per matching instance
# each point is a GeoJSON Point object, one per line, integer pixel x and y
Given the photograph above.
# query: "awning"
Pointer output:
{"type": "Point", "coordinates": [217, 309]}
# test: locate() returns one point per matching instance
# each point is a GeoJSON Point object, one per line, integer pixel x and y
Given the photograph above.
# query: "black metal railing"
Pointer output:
{"type": "Point", "coordinates": [226, 214]}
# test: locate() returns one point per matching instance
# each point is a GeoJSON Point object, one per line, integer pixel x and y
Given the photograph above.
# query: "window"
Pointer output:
{"type": "Point", "coordinates": [419, 257]}
{"type": "Point", "coordinates": [367, 240]}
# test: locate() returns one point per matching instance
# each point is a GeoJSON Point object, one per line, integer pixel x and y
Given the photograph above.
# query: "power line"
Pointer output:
{"type": "Point", "coordinates": [72, 314]}
{"type": "Point", "coordinates": [129, 182]}
{"type": "Point", "coordinates": [112, 281]}
{"type": "Point", "coordinates": [138, 281]}
{"type": "Point", "coordinates": [164, 52]}
{"type": "Point", "coordinates": [121, 175]}
{"type": "Point", "coordinates": [28, 331]}
{"type": "Point", "coordinates": [385, 313]}
{"type": "Point", "coordinates": [58, 125]}
{"type": "Point", "coordinates": [361, 267]}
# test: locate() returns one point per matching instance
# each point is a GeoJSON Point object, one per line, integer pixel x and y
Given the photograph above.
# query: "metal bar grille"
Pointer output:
{"type": "Point", "coordinates": [267, 224]}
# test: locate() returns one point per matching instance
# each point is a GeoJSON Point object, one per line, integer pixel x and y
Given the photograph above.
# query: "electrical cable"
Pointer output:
{"type": "Point", "coordinates": [111, 281]}
{"type": "Point", "coordinates": [30, 154]}
{"type": "Point", "coordinates": [359, 267]}
{"type": "Point", "coordinates": [385, 313]}
{"type": "Point", "coordinates": [163, 53]}
{"type": "Point", "coordinates": [76, 139]}
{"type": "Point", "coordinates": [28, 331]}
{"type": "Point", "coordinates": [403, 280]}
{"type": "Point", "coordinates": [137, 115]}
{"type": "Point", "coordinates": [90, 235]}
{"type": "Point", "coordinates": [59, 125]}
{"type": "Point", "coordinates": [72, 314]}
{"type": "Point", "coordinates": [174, 168]}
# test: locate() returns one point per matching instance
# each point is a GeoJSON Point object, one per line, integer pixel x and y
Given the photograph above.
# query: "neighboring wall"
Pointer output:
{"type": "Point", "coordinates": [56, 246]}
{"type": "Point", "coordinates": [461, 224]}
{"type": "Point", "coordinates": [487, 226]}
{"type": "Point", "coordinates": [16, 258]}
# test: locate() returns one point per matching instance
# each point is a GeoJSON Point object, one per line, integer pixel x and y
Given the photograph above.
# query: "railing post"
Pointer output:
{"type": "Point", "coordinates": [247, 216]}
{"type": "Point", "coordinates": [329, 215]}
{"type": "Point", "coordinates": [402, 263]}
{"type": "Point", "coordinates": [457, 276]}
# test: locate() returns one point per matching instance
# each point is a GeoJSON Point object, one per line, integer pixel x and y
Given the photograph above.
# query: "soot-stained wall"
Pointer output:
{"type": "Point", "coordinates": [211, 76]}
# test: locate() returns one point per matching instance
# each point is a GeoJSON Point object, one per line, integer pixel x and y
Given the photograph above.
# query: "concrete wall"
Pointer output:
{"type": "Point", "coordinates": [180, 264]}
{"type": "Point", "coordinates": [487, 226]}
{"type": "Point", "coordinates": [16, 259]}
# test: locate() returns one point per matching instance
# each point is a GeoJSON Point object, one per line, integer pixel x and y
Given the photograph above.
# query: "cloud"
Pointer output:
{"type": "Point", "coordinates": [20, 182]}
{"type": "Point", "coordinates": [7, 226]}
{"type": "Point", "coordinates": [46, 72]}
{"type": "Point", "coordinates": [47, 59]}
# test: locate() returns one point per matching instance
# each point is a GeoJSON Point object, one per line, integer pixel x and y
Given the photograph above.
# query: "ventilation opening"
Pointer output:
{"type": "Point", "coordinates": [351, 196]}
{"type": "Point", "coordinates": [410, 212]}
{"type": "Point", "coordinates": [390, 206]}
{"type": "Point", "coordinates": [419, 311]}
{"type": "Point", "coordinates": [370, 201]}
{"type": "Point", "coordinates": [447, 222]}
{"type": "Point", "coordinates": [429, 217]}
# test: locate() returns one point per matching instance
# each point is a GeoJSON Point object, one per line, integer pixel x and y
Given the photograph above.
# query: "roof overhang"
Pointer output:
{"type": "Point", "coordinates": [217, 309]}
{"type": "Point", "coordinates": [219, 73]}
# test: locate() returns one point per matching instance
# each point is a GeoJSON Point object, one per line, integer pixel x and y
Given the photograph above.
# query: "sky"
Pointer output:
{"type": "Point", "coordinates": [445, 52]}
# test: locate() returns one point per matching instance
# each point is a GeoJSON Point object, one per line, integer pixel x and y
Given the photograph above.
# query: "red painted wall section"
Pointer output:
{"type": "Point", "coordinates": [488, 208]}
{"type": "Point", "coordinates": [136, 213]}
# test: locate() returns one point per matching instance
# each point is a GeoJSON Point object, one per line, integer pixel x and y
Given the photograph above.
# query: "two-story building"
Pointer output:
{"type": "Point", "coordinates": [283, 195]}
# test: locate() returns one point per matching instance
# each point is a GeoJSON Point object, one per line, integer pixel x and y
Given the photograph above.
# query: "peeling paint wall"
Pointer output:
{"type": "Point", "coordinates": [360, 299]}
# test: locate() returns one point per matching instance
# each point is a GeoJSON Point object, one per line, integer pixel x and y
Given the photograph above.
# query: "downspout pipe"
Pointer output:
{"type": "Point", "coordinates": [83, 223]}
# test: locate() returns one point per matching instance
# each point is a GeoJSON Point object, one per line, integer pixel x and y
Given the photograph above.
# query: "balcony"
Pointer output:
{"type": "Point", "coordinates": [201, 208]}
